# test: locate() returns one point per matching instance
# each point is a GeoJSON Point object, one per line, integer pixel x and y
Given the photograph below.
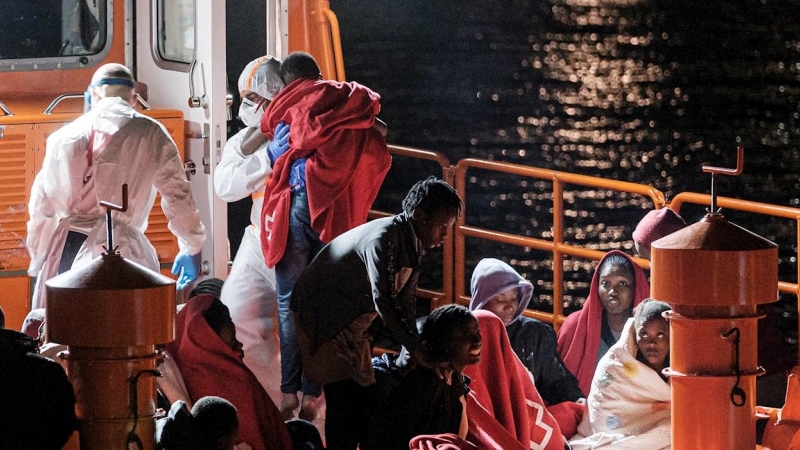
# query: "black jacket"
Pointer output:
{"type": "Point", "coordinates": [534, 342]}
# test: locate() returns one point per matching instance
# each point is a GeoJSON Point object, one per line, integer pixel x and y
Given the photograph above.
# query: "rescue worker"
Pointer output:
{"type": "Point", "coordinates": [249, 292]}
{"type": "Point", "coordinates": [88, 161]}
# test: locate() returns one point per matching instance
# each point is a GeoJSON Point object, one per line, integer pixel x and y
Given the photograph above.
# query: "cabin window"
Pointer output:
{"type": "Point", "coordinates": [46, 34]}
{"type": "Point", "coordinates": [176, 30]}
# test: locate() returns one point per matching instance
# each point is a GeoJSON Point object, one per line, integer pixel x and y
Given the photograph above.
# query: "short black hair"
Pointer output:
{"type": "Point", "coordinates": [621, 261]}
{"type": "Point", "coordinates": [211, 286]}
{"type": "Point", "coordinates": [437, 331]}
{"type": "Point", "coordinates": [299, 65]}
{"type": "Point", "coordinates": [649, 310]}
{"type": "Point", "coordinates": [432, 195]}
{"type": "Point", "coordinates": [215, 418]}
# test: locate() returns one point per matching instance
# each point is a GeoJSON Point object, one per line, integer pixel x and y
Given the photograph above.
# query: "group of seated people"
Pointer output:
{"type": "Point", "coordinates": [493, 378]}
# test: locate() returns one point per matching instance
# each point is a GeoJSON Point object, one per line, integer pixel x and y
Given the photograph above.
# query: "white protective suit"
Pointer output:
{"type": "Point", "coordinates": [128, 147]}
{"type": "Point", "coordinates": [249, 291]}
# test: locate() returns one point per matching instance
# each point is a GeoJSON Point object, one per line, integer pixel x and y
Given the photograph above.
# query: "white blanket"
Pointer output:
{"type": "Point", "coordinates": [628, 406]}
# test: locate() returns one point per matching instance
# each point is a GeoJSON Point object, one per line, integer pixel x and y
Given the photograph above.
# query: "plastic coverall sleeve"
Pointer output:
{"type": "Point", "coordinates": [55, 190]}
{"type": "Point", "coordinates": [177, 201]}
{"type": "Point", "coordinates": [237, 175]}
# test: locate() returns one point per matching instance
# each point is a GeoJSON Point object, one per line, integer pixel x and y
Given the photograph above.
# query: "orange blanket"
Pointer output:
{"type": "Point", "coordinates": [347, 159]}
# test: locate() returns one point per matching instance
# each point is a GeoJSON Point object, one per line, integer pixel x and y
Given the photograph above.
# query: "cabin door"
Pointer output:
{"type": "Point", "coordinates": [179, 52]}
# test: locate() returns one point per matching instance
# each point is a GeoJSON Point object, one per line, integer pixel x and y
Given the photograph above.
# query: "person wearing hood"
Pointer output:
{"type": "Point", "coordinates": [618, 285]}
{"type": "Point", "coordinates": [498, 288]}
{"type": "Point", "coordinates": [250, 291]}
{"type": "Point", "coordinates": [90, 160]}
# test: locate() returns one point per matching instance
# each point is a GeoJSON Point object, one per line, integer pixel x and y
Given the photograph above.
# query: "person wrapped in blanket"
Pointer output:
{"type": "Point", "coordinates": [322, 185]}
{"type": "Point", "coordinates": [618, 285]}
{"type": "Point", "coordinates": [504, 409]}
{"type": "Point", "coordinates": [498, 288]}
{"type": "Point", "coordinates": [210, 358]}
{"type": "Point", "coordinates": [628, 407]}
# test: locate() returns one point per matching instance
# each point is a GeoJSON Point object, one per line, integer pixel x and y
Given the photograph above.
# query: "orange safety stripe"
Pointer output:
{"type": "Point", "coordinates": [253, 70]}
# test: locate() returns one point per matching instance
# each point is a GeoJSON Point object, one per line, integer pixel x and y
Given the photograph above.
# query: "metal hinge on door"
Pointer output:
{"type": "Point", "coordinates": [2, 131]}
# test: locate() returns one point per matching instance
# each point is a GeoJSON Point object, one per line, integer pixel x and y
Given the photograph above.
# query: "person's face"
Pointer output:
{"type": "Point", "coordinates": [652, 338]}
{"type": "Point", "coordinates": [228, 442]}
{"type": "Point", "coordinates": [465, 344]}
{"type": "Point", "coordinates": [431, 229]}
{"type": "Point", "coordinates": [504, 305]}
{"type": "Point", "coordinates": [256, 99]}
{"type": "Point", "coordinates": [616, 289]}
{"type": "Point", "coordinates": [228, 334]}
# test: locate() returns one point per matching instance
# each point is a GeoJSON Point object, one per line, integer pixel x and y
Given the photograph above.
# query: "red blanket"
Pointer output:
{"type": "Point", "coordinates": [210, 367]}
{"type": "Point", "coordinates": [579, 337]}
{"type": "Point", "coordinates": [446, 441]}
{"type": "Point", "coordinates": [331, 125]}
{"type": "Point", "coordinates": [504, 409]}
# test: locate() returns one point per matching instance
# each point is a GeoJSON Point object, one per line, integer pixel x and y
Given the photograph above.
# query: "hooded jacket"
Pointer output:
{"type": "Point", "coordinates": [533, 341]}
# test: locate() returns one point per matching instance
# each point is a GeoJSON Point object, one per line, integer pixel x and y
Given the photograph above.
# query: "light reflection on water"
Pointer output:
{"type": "Point", "coordinates": [638, 90]}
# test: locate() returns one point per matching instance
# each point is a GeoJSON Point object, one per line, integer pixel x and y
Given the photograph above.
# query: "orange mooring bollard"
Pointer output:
{"type": "Point", "coordinates": [714, 274]}
{"type": "Point", "coordinates": [111, 313]}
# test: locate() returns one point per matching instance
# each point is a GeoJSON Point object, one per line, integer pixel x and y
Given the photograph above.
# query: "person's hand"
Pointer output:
{"type": "Point", "coordinates": [187, 267]}
{"type": "Point", "coordinates": [280, 142]}
{"type": "Point", "coordinates": [443, 370]}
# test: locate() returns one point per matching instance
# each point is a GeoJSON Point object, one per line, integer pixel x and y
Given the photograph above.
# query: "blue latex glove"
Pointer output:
{"type": "Point", "coordinates": [279, 144]}
{"type": "Point", "coordinates": [188, 266]}
{"type": "Point", "coordinates": [297, 177]}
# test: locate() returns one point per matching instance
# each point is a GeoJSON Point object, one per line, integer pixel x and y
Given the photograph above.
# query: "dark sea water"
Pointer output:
{"type": "Point", "coordinates": [646, 91]}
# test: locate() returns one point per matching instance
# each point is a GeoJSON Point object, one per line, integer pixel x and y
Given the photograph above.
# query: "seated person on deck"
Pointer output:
{"type": "Point", "coordinates": [210, 359]}
{"type": "Point", "coordinates": [618, 285]}
{"type": "Point", "coordinates": [37, 403]}
{"type": "Point", "coordinates": [504, 408]}
{"type": "Point", "coordinates": [212, 424]}
{"type": "Point", "coordinates": [418, 401]}
{"type": "Point", "coordinates": [498, 288]}
{"type": "Point", "coordinates": [628, 407]}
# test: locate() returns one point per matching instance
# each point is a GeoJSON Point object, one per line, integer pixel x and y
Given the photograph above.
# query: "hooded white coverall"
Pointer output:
{"type": "Point", "coordinates": [249, 292]}
{"type": "Point", "coordinates": [127, 147]}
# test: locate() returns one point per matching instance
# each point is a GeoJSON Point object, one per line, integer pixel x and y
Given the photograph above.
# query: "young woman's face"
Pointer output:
{"type": "Point", "coordinates": [465, 344]}
{"type": "Point", "coordinates": [616, 287]}
{"type": "Point", "coordinates": [652, 338]}
{"type": "Point", "coordinates": [504, 305]}
{"type": "Point", "coordinates": [431, 229]}
{"type": "Point", "coordinates": [228, 334]}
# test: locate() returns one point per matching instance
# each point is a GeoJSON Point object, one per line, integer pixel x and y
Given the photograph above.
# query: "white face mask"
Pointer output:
{"type": "Point", "coordinates": [250, 113]}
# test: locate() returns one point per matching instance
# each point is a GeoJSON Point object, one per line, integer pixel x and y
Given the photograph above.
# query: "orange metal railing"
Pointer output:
{"type": "Point", "coordinates": [556, 246]}
{"type": "Point", "coordinates": [454, 253]}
